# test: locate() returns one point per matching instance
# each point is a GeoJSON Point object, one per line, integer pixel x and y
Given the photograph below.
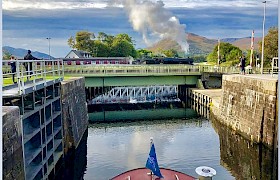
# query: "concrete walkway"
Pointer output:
{"type": "Point", "coordinates": [259, 76]}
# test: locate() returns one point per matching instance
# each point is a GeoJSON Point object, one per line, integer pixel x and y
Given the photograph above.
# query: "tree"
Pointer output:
{"type": "Point", "coordinates": [124, 37]}
{"type": "Point", "coordinates": [248, 56]}
{"type": "Point", "coordinates": [109, 40]}
{"type": "Point", "coordinates": [83, 40]}
{"type": "Point", "coordinates": [102, 36]}
{"type": "Point", "coordinates": [228, 53]}
{"type": "Point", "coordinates": [71, 42]}
{"type": "Point", "coordinates": [199, 58]}
{"type": "Point", "coordinates": [122, 48]}
{"type": "Point", "coordinates": [101, 49]}
{"type": "Point", "coordinates": [270, 45]}
{"type": "Point", "coordinates": [144, 53]}
{"type": "Point", "coordinates": [105, 45]}
{"type": "Point", "coordinates": [6, 55]}
{"type": "Point", "coordinates": [170, 53]}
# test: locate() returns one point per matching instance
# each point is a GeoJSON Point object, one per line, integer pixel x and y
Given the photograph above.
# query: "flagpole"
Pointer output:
{"type": "Point", "coordinates": [152, 163]}
{"type": "Point", "coordinates": [252, 49]}
{"type": "Point", "coordinates": [218, 52]}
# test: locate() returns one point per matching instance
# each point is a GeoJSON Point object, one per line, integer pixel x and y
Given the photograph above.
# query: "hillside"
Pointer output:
{"type": "Point", "coordinates": [20, 53]}
{"type": "Point", "coordinates": [199, 45]}
{"type": "Point", "coordinates": [245, 43]}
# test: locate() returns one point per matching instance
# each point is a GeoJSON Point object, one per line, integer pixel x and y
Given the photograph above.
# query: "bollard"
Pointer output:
{"type": "Point", "coordinates": [205, 173]}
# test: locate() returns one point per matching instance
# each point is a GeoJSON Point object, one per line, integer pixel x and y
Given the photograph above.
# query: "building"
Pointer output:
{"type": "Point", "coordinates": [78, 54]}
{"type": "Point", "coordinates": [75, 57]}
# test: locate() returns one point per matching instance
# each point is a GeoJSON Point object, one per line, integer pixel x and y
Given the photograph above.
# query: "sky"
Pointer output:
{"type": "Point", "coordinates": [27, 23]}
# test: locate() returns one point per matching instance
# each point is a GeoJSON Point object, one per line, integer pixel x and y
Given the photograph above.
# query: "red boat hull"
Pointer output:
{"type": "Point", "coordinates": [142, 174]}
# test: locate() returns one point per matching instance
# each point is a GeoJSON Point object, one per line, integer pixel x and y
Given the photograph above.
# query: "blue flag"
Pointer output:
{"type": "Point", "coordinates": [152, 163]}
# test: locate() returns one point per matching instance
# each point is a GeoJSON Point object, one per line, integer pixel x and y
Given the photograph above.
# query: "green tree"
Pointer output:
{"type": "Point", "coordinates": [199, 58]}
{"type": "Point", "coordinates": [6, 55]}
{"type": "Point", "coordinates": [143, 53]}
{"type": "Point", "coordinates": [109, 40]}
{"type": "Point", "coordinates": [120, 37]}
{"type": "Point", "coordinates": [102, 36]}
{"type": "Point", "coordinates": [101, 49]}
{"type": "Point", "coordinates": [228, 53]}
{"type": "Point", "coordinates": [248, 56]}
{"type": "Point", "coordinates": [71, 42]}
{"type": "Point", "coordinates": [122, 48]}
{"type": "Point", "coordinates": [83, 40]}
{"type": "Point", "coordinates": [270, 45]}
{"type": "Point", "coordinates": [104, 45]}
{"type": "Point", "coordinates": [170, 53]}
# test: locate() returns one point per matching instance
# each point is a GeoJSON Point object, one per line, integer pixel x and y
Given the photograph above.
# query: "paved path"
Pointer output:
{"type": "Point", "coordinates": [259, 76]}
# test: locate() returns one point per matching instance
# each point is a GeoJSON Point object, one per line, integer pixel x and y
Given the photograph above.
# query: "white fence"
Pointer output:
{"type": "Point", "coordinates": [30, 72]}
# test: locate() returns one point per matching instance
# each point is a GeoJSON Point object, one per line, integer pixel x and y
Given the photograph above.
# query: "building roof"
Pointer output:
{"type": "Point", "coordinates": [80, 54]}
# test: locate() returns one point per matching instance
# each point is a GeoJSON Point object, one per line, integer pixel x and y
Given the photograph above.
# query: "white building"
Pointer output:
{"type": "Point", "coordinates": [78, 54]}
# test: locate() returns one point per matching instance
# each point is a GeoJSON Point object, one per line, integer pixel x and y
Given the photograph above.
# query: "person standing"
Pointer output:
{"type": "Point", "coordinates": [29, 56]}
{"type": "Point", "coordinates": [13, 68]}
{"type": "Point", "coordinates": [242, 64]}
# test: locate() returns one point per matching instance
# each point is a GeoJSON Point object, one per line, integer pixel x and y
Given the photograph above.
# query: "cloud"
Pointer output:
{"type": "Point", "coordinates": [51, 5]}
{"type": "Point", "coordinates": [153, 20]}
{"type": "Point", "coordinates": [25, 27]}
{"type": "Point", "coordinates": [73, 4]}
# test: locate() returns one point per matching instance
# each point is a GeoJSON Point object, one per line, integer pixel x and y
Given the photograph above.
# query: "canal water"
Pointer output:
{"type": "Point", "coordinates": [182, 144]}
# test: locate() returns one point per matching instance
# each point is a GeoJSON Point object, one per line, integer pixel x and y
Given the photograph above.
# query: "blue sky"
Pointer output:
{"type": "Point", "coordinates": [27, 23]}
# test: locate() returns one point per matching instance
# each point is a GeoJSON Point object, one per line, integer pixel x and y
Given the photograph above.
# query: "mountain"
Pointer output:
{"type": "Point", "coordinates": [20, 53]}
{"type": "Point", "coordinates": [245, 43]}
{"type": "Point", "coordinates": [199, 45]}
{"type": "Point", "coordinates": [229, 40]}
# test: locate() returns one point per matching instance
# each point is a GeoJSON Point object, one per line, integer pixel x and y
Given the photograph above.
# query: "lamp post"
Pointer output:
{"type": "Point", "coordinates": [49, 39]}
{"type": "Point", "coordinates": [263, 37]}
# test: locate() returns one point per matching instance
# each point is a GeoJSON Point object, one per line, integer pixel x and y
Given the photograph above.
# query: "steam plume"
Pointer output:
{"type": "Point", "coordinates": [152, 20]}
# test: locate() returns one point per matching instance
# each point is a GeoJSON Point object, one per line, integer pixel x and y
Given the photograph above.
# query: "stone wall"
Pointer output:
{"type": "Point", "coordinates": [13, 167]}
{"type": "Point", "coordinates": [74, 110]}
{"type": "Point", "coordinates": [248, 105]}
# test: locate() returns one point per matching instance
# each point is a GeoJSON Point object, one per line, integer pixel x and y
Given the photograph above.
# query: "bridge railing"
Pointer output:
{"type": "Point", "coordinates": [145, 69]}
{"type": "Point", "coordinates": [30, 72]}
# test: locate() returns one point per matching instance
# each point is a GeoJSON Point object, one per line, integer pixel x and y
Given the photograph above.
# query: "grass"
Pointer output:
{"type": "Point", "coordinates": [9, 81]}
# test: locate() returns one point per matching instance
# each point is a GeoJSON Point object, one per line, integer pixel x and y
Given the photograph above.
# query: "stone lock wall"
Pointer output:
{"type": "Point", "coordinates": [13, 167]}
{"type": "Point", "coordinates": [248, 105]}
{"type": "Point", "coordinates": [74, 110]}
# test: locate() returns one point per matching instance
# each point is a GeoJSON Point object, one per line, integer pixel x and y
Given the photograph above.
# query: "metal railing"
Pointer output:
{"type": "Point", "coordinates": [144, 69]}
{"type": "Point", "coordinates": [30, 72]}
{"type": "Point", "coordinates": [274, 66]}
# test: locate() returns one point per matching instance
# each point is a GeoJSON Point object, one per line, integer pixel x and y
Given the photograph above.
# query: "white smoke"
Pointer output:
{"type": "Point", "coordinates": [152, 20]}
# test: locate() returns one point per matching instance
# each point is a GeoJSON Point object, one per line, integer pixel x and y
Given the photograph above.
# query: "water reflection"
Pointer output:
{"type": "Point", "coordinates": [75, 162]}
{"type": "Point", "coordinates": [181, 145]}
{"type": "Point", "coordinates": [242, 158]}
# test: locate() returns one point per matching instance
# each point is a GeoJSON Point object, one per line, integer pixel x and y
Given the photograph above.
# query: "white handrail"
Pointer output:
{"type": "Point", "coordinates": [31, 71]}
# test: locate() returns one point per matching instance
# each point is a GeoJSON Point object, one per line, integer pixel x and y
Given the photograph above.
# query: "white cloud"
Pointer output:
{"type": "Point", "coordinates": [71, 4]}
{"type": "Point", "coordinates": [52, 5]}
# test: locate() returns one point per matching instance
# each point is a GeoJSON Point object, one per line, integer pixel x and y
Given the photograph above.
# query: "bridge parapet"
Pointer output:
{"type": "Point", "coordinates": [145, 69]}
